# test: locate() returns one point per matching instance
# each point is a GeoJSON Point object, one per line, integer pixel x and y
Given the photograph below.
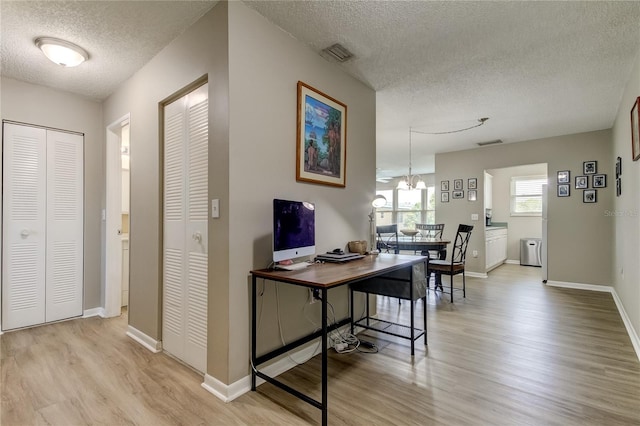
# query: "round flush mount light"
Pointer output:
{"type": "Point", "coordinates": [62, 52]}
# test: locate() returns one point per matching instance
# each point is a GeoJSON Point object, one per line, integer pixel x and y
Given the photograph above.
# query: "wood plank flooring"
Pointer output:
{"type": "Point", "coordinates": [514, 352]}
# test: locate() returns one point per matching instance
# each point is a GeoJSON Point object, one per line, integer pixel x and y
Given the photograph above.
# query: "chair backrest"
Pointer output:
{"type": "Point", "coordinates": [387, 237]}
{"type": "Point", "coordinates": [428, 230]}
{"type": "Point", "coordinates": [459, 253]}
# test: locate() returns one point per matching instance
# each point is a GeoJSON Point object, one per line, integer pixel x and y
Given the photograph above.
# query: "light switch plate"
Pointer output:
{"type": "Point", "coordinates": [474, 216]}
{"type": "Point", "coordinates": [215, 208]}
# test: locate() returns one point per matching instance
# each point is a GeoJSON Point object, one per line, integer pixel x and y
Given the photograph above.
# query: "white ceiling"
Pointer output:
{"type": "Point", "coordinates": [536, 69]}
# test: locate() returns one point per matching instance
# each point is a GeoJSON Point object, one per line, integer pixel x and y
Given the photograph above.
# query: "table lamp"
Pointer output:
{"type": "Point", "coordinates": [377, 202]}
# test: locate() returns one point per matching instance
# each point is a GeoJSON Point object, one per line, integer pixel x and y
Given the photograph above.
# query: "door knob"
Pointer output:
{"type": "Point", "coordinates": [25, 233]}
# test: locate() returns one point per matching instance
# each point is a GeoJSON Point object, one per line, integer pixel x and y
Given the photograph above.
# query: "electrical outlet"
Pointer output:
{"type": "Point", "coordinates": [474, 216]}
{"type": "Point", "coordinates": [314, 295]}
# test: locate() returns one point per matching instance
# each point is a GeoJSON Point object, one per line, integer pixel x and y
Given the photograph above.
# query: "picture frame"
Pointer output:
{"type": "Point", "coordinates": [635, 130]}
{"type": "Point", "coordinates": [321, 138]}
{"type": "Point", "coordinates": [472, 183]}
{"type": "Point", "coordinates": [589, 196]}
{"type": "Point", "coordinates": [618, 167]}
{"type": "Point", "coordinates": [473, 195]}
{"type": "Point", "coordinates": [618, 187]}
{"type": "Point", "coordinates": [564, 176]}
{"type": "Point", "coordinates": [457, 185]}
{"type": "Point", "coordinates": [444, 197]}
{"type": "Point", "coordinates": [444, 185]}
{"type": "Point", "coordinates": [582, 182]}
{"type": "Point", "coordinates": [457, 194]}
{"type": "Point", "coordinates": [563, 190]}
{"type": "Point", "coordinates": [599, 181]}
{"type": "Point", "coordinates": [590, 167]}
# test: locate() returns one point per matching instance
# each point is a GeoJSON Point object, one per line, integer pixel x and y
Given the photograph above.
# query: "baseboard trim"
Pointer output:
{"type": "Point", "coordinates": [152, 344]}
{"type": "Point", "coordinates": [476, 274]}
{"type": "Point", "coordinates": [635, 341]}
{"type": "Point", "coordinates": [93, 312]}
{"type": "Point", "coordinates": [512, 261]}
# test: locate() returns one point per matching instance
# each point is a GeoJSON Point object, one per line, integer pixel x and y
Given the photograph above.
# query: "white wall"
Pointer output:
{"type": "Point", "coordinates": [518, 226]}
{"type": "Point", "coordinates": [625, 212]}
{"type": "Point", "coordinates": [43, 106]}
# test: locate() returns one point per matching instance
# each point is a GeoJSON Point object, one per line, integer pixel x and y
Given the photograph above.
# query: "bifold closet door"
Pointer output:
{"type": "Point", "coordinates": [42, 269]}
{"type": "Point", "coordinates": [185, 271]}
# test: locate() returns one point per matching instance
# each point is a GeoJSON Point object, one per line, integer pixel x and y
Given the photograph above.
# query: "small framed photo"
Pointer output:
{"type": "Point", "coordinates": [444, 185]}
{"type": "Point", "coordinates": [457, 194]}
{"type": "Point", "coordinates": [563, 190]}
{"type": "Point", "coordinates": [473, 183]}
{"type": "Point", "coordinates": [635, 130]}
{"type": "Point", "coordinates": [599, 181]}
{"type": "Point", "coordinates": [618, 167]}
{"type": "Point", "coordinates": [589, 196]}
{"type": "Point", "coordinates": [473, 195]}
{"type": "Point", "coordinates": [564, 176]}
{"type": "Point", "coordinates": [444, 197]}
{"type": "Point", "coordinates": [582, 182]}
{"type": "Point", "coordinates": [457, 185]}
{"type": "Point", "coordinates": [618, 187]}
{"type": "Point", "coordinates": [590, 167]}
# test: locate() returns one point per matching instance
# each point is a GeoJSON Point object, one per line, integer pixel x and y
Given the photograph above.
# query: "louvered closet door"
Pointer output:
{"type": "Point", "coordinates": [185, 228]}
{"type": "Point", "coordinates": [24, 226]}
{"type": "Point", "coordinates": [64, 255]}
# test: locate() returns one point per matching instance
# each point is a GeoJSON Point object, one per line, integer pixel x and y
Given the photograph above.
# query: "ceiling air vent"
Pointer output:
{"type": "Point", "coordinates": [490, 142]}
{"type": "Point", "coordinates": [338, 53]}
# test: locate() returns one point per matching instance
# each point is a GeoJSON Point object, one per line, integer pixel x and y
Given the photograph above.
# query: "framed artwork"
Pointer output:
{"type": "Point", "coordinates": [321, 149]}
{"type": "Point", "coordinates": [618, 167]}
{"type": "Point", "coordinates": [473, 183]}
{"type": "Point", "coordinates": [589, 196]}
{"type": "Point", "coordinates": [563, 190]}
{"type": "Point", "coordinates": [473, 195]}
{"type": "Point", "coordinates": [564, 176]}
{"type": "Point", "coordinates": [599, 181]}
{"type": "Point", "coordinates": [457, 194]}
{"type": "Point", "coordinates": [444, 185]}
{"type": "Point", "coordinates": [457, 185]}
{"type": "Point", "coordinates": [444, 197]}
{"type": "Point", "coordinates": [590, 167]}
{"type": "Point", "coordinates": [582, 182]}
{"type": "Point", "coordinates": [635, 130]}
{"type": "Point", "coordinates": [618, 187]}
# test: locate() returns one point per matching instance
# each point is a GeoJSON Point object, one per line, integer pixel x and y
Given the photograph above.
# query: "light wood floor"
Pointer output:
{"type": "Point", "coordinates": [514, 352]}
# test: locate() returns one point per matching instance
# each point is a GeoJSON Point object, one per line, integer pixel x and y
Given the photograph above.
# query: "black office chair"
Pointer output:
{"type": "Point", "coordinates": [387, 238]}
{"type": "Point", "coordinates": [454, 266]}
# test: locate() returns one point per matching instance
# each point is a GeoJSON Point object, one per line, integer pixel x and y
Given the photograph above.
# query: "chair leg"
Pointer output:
{"type": "Point", "coordinates": [464, 286]}
{"type": "Point", "coordinates": [451, 284]}
{"type": "Point", "coordinates": [424, 313]}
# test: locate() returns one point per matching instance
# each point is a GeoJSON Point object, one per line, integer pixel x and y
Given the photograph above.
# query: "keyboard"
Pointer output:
{"type": "Point", "coordinates": [294, 266]}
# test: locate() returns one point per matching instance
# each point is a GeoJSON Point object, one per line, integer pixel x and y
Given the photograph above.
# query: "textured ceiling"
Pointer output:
{"type": "Point", "coordinates": [120, 36]}
{"type": "Point", "coordinates": [536, 69]}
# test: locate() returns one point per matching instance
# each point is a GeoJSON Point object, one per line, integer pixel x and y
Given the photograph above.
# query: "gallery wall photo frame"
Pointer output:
{"type": "Point", "coordinates": [589, 196]}
{"type": "Point", "coordinates": [599, 181]}
{"type": "Point", "coordinates": [444, 185]}
{"type": "Point", "coordinates": [457, 195]}
{"type": "Point", "coordinates": [635, 130]}
{"type": "Point", "coordinates": [564, 176]}
{"type": "Point", "coordinates": [582, 182]}
{"type": "Point", "coordinates": [618, 187]}
{"type": "Point", "coordinates": [563, 190]}
{"type": "Point", "coordinates": [458, 185]}
{"type": "Point", "coordinates": [590, 167]}
{"type": "Point", "coordinates": [321, 140]}
{"type": "Point", "coordinates": [618, 167]}
{"type": "Point", "coordinates": [444, 197]}
{"type": "Point", "coordinates": [472, 183]}
{"type": "Point", "coordinates": [473, 195]}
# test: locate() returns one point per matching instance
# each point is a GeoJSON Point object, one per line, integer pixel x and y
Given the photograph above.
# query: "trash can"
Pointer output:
{"type": "Point", "coordinates": [531, 251]}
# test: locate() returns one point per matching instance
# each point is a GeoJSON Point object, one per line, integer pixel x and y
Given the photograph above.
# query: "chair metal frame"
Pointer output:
{"type": "Point", "coordinates": [385, 234]}
{"type": "Point", "coordinates": [457, 263]}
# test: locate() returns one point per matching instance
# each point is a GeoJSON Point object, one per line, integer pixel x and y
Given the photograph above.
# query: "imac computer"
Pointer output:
{"type": "Point", "coordinates": [293, 232]}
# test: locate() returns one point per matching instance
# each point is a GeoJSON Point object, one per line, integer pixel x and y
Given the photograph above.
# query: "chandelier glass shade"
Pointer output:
{"type": "Point", "coordinates": [409, 182]}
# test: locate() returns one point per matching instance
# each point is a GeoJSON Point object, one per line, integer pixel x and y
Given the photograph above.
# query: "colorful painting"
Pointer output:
{"type": "Point", "coordinates": [321, 141]}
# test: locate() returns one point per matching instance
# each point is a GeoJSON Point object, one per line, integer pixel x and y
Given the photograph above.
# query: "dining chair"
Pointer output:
{"type": "Point", "coordinates": [456, 264]}
{"type": "Point", "coordinates": [387, 238]}
{"type": "Point", "coordinates": [430, 230]}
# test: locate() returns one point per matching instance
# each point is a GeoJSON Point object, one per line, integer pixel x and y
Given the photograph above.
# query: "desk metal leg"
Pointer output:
{"type": "Point", "coordinates": [253, 333]}
{"type": "Point", "coordinates": [411, 303]}
{"type": "Point", "coordinates": [324, 358]}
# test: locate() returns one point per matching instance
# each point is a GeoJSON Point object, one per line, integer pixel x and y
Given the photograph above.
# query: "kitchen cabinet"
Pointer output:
{"type": "Point", "coordinates": [495, 247]}
{"type": "Point", "coordinates": [488, 191]}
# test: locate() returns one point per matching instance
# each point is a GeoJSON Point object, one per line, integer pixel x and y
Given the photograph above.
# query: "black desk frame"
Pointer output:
{"type": "Point", "coordinates": [289, 278]}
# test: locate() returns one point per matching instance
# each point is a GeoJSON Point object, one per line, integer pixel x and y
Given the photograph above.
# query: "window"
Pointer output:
{"type": "Point", "coordinates": [406, 208]}
{"type": "Point", "coordinates": [526, 195]}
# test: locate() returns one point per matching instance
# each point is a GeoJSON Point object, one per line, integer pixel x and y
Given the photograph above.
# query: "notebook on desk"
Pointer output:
{"type": "Point", "coordinates": [335, 257]}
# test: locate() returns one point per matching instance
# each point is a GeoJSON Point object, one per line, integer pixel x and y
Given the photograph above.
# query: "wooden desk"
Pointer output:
{"type": "Point", "coordinates": [322, 277]}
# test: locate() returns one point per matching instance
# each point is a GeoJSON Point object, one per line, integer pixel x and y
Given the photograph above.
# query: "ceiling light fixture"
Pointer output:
{"type": "Point", "coordinates": [481, 121]}
{"type": "Point", "coordinates": [62, 52]}
{"type": "Point", "coordinates": [407, 182]}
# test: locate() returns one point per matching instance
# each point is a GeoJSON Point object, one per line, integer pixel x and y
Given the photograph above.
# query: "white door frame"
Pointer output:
{"type": "Point", "coordinates": [113, 220]}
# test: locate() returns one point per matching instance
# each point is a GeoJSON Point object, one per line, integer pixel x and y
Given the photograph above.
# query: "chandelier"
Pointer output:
{"type": "Point", "coordinates": [407, 182]}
